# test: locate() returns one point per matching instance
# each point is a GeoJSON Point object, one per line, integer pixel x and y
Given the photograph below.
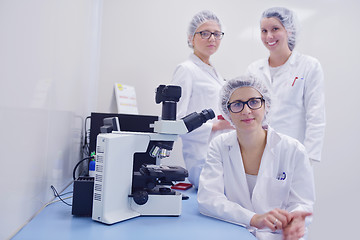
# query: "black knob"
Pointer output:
{"type": "Point", "coordinates": [140, 197]}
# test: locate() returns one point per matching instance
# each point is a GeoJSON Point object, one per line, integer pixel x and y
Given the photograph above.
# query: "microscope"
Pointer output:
{"type": "Point", "coordinates": [130, 180]}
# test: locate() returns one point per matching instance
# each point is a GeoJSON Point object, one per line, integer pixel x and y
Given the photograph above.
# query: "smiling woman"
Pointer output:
{"type": "Point", "coordinates": [296, 79]}
{"type": "Point", "coordinates": [275, 38]}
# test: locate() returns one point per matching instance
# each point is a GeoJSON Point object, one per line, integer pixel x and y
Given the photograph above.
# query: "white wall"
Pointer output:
{"type": "Point", "coordinates": [49, 60]}
{"type": "Point", "coordinates": [143, 41]}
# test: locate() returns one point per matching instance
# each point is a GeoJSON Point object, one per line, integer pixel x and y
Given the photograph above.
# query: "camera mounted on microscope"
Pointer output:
{"type": "Point", "coordinates": [169, 96]}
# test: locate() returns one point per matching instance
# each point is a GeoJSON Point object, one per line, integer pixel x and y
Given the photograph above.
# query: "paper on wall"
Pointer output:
{"type": "Point", "coordinates": [125, 99]}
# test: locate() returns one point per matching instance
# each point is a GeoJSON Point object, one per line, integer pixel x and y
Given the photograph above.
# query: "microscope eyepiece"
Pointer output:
{"type": "Point", "coordinates": [195, 120]}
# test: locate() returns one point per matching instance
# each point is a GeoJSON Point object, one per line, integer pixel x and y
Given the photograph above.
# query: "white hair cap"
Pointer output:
{"type": "Point", "coordinates": [244, 81]}
{"type": "Point", "coordinates": [199, 19]}
{"type": "Point", "coordinates": [288, 19]}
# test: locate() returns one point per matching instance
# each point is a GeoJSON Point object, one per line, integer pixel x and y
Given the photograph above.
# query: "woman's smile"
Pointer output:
{"type": "Point", "coordinates": [272, 43]}
{"type": "Point", "coordinates": [248, 120]}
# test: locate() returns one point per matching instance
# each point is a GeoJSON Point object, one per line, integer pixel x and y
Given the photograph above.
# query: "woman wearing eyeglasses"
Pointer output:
{"type": "Point", "coordinates": [297, 81]}
{"type": "Point", "coordinates": [200, 83]}
{"type": "Point", "coordinates": [254, 176]}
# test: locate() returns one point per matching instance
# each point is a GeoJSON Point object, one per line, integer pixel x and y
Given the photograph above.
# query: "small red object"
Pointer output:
{"type": "Point", "coordinates": [294, 81]}
{"type": "Point", "coordinates": [182, 186]}
{"type": "Point", "coordinates": [220, 117]}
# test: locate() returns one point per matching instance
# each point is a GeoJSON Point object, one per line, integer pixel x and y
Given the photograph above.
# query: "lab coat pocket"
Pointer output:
{"type": "Point", "coordinates": [278, 192]}
{"type": "Point", "coordinates": [293, 90]}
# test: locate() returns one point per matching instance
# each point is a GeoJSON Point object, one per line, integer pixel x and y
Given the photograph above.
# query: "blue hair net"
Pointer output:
{"type": "Point", "coordinates": [199, 19]}
{"type": "Point", "coordinates": [244, 81]}
{"type": "Point", "coordinates": [288, 19]}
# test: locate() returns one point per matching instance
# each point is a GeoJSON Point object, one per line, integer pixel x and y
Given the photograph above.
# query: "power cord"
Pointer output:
{"type": "Point", "coordinates": [77, 165]}
{"type": "Point", "coordinates": [86, 141]}
{"type": "Point", "coordinates": [56, 194]}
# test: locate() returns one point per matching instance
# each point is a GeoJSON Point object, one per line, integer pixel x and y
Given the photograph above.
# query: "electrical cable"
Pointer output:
{"type": "Point", "coordinates": [42, 208]}
{"type": "Point", "coordinates": [77, 165]}
{"type": "Point", "coordinates": [86, 142]}
{"type": "Point", "coordinates": [58, 196]}
{"type": "Point", "coordinates": [63, 194]}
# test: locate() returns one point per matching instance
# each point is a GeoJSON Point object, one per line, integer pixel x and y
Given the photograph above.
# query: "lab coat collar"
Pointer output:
{"type": "Point", "coordinates": [230, 139]}
{"type": "Point", "coordinates": [264, 68]}
{"type": "Point", "coordinates": [264, 63]}
{"type": "Point", "coordinates": [292, 60]}
{"type": "Point", "coordinates": [272, 137]}
{"type": "Point", "coordinates": [208, 68]}
{"type": "Point", "coordinates": [199, 62]}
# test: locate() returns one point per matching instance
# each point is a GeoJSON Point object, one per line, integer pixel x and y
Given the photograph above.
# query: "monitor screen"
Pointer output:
{"type": "Point", "coordinates": [127, 122]}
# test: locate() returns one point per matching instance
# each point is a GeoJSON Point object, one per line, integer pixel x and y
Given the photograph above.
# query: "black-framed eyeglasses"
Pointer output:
{"type": "Point", "coordinates": [207, 34]}
{"type": "Point", "coordinates": [253, 103]}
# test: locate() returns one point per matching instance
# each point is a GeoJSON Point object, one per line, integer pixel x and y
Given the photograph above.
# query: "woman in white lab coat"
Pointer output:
{"type": "Point", "coordinates": [200, 84]}
{"type": "Point", "coordinates": [297, 81]}
{"type": "Point", "coordinates": [255, 176]}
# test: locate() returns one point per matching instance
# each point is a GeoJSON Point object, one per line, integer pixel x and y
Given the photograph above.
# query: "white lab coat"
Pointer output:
{"type": "Point", "coordinates": [223, 190]}
{"type": "Point", "coordinates": [298, 108]}
{"type": "Point", "coordinates": [200, 85]}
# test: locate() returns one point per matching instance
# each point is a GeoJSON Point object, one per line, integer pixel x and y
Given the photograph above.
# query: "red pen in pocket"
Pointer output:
{"type": "Point", "coordinates": [294, 81]}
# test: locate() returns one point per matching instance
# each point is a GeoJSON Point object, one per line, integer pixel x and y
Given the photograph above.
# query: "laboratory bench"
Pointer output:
{"type": "Point", "coordinates": [57, 222]}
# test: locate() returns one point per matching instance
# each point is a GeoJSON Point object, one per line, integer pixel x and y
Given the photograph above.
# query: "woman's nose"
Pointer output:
{"type": "Point", "coordinates": [212, 37]}
{"type": "Point", "coordinates": [246, 109]}
{"type": "Point", "coordinates": [270, 36]}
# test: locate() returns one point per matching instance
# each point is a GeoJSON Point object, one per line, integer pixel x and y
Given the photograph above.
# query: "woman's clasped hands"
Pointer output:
{"type": "Point", "coordinates": [292, 224]}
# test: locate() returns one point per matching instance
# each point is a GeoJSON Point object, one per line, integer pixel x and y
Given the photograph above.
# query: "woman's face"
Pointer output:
{"type": "Point", "coordinates": [247, 119]}
{"type": "Point", "coordinates": [204, 48]}
{"type": "Point", "coordinates": [273, 35]}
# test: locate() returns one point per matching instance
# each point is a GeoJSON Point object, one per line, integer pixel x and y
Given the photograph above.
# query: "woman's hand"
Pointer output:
{"type": "Point", "coordinates": [296, 227]}
{"type": "Point", "coordinates": [275, 219]}
{"type": "Point", "coordinates": [221, 125]}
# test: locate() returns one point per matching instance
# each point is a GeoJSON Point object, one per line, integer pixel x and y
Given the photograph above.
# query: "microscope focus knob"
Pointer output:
{"type": "Point", "coordinates": [140, 197]}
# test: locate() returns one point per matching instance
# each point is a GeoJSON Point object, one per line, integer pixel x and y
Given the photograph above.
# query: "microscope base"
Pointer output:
{"type": "Point", "coordinates": [159, 205]}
